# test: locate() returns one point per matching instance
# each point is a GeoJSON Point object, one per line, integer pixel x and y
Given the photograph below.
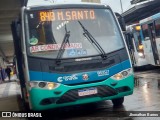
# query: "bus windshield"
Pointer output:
{"type": "Point", "coordinates": [46, 30]}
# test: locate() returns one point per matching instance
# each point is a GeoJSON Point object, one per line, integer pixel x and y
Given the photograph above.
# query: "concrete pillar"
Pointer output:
{"type": "Point", "coordinates": [2, 63]}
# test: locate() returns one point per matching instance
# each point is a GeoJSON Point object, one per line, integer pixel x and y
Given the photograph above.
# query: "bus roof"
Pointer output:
{"type": "Point", "coordinates": [148, 19]}
{"type": "Point", "coordinates": [36, 3]}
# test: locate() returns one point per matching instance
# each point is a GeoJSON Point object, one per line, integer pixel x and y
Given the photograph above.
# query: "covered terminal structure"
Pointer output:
{"type": "Point", "coordinates": [140, 10]}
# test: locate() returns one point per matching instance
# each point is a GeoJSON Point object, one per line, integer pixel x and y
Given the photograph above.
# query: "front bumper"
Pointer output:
{"type": "Point", "coordinates": [66, 95]}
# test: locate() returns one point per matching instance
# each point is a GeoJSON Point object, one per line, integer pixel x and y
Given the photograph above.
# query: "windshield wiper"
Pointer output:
{"type": "Point", "coordinates": [62, 48]}
{"type": "Point", "coordinates": [88, 35]}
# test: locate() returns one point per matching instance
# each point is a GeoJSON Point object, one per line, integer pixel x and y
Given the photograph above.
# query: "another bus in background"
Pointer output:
{"type": "Point", "coordinates": [135, 45]}
{"type": "Point", "coordinates": [151, 38]}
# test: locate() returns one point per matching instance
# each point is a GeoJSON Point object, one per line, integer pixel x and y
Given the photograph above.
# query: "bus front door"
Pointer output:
{"type": "Point", "coordinates": [130, 45]}
{"type": "Point", "coordinates": [153, 43]}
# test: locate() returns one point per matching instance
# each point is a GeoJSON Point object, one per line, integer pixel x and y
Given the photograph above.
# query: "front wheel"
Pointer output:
{"type": "Point", "coordinates": [118, 101]}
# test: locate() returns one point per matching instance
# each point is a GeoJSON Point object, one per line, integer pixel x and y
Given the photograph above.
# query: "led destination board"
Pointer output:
{"type": "Point", "coordinates": [66, 15]}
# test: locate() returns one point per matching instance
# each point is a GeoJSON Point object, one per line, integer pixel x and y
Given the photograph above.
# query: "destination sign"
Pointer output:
{"type": "Point", "coordinates": [67, 15]}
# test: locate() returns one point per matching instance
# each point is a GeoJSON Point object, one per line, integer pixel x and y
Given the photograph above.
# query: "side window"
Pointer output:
{"type": "Point", "coordinates": [145, 31]}
{"type": "Point", "coordinates": [157, 24]}
{"type": "Point", "coordinates": [19, 29]}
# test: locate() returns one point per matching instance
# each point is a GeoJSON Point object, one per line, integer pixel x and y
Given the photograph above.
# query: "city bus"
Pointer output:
{"type": "Point", "coordinates": [71, 54]}
{"type": "Point", "coordinates": [135, 46]}
{"type": "Point", "coordinates": [151, 38]}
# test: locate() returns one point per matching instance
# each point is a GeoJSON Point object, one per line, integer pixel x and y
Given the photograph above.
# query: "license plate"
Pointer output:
{"type": "Point", "coordinates": [88, 91]}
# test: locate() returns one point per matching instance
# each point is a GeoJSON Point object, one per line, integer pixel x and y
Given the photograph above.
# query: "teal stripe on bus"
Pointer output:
{"type": "Point", "coordinates": [76, 78]}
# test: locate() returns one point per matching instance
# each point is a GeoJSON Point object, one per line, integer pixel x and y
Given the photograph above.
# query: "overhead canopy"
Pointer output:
{"type": "Point", "coordinates": [9, 10]}
{"type": "Point", "coordinates": [137, 1]}
{"type": "Point", "coordinates": [141, 11]}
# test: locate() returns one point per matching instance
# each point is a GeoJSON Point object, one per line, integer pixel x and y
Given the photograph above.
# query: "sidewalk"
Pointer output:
{"type": "Point", "coordinates": [9, 88]}
{"type": "Point", "coordinates": [13, 78]}
{"type": "Point", "coordinates": [9, 92]}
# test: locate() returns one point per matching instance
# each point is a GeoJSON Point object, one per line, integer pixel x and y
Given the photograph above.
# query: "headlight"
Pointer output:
{"type": "Point", "coordinates": [51, 85]}
{"type": "Point", "coordinates": [118, 76]}
{"type": "Point", "coordinates": [44, 85]}
{"type": "Point", "coordinates": [140, 47]}
{"type": "Point", "coordinates": [123, 74]}
{"type": "Point", "coordinates": [140, 54]}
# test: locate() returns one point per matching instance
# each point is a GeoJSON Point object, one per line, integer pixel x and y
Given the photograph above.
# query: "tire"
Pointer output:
{"type": "Point", "coordinates": [26, 106]}
{"type": "Point", "coordinates": [118, 101]}
{"type": "Point", "coordinates": [25, 101]}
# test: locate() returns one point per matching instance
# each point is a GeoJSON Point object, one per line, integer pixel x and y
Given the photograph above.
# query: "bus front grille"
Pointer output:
{"type": "Point", "coordinates": [82, 66]}
{"type": "Point", "coordinates": [72, 95]}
